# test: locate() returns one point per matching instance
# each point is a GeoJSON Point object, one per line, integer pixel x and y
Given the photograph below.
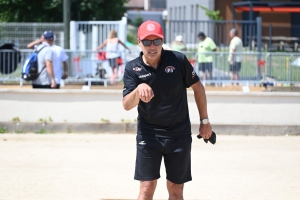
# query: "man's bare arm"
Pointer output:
{"type": "Point", "coordinates": [131, 100]}
{"type": "Point", "coordinates": [200, 98]}
{"type": "Point", "coordinates": [49, 69]}
{"type": "Point", "coordinates": [32, 44]}
{"type": "Point", "coordinates": [143, 92]}
{"type": "Point", "coordinates": [65, 67]}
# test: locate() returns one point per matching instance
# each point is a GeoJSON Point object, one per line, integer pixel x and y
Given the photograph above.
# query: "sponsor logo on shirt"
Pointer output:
{"type": "Point", "coordinates": [142, 143]}
{"type": "Point", "coordinates": [194, 73]}
{"type": "Point", "coordinates": [137, 69]}
{"type": "Point", "coordinates": [145, 75]}
{"type": "Point", "coordinates": [169, 69]}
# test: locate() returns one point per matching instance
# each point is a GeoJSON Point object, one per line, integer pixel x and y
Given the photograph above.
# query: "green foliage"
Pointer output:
{"type": "Point", "coordinates": [20, 131]}
{"type": "Point", "coordinates": [136, 22]}
{"type": "Point", "coordinates": [214, 15]}
{"type": "Point", "coordinates": [125, 120]}
{"type": "Point", "coordinates": [41, 131]}
{"type": "Point", "coordinates": [16, 119]}
{"type": "Point", "coordinates": [103, 120]}
{"type": "Point", "coordinates": [52, 10]}
{"type": "Point", "coordinates": [42, 120]}
{"type": "Point", "coordinates": [131, 37]}
{"type": "Point", "coordinates": [3, 130]}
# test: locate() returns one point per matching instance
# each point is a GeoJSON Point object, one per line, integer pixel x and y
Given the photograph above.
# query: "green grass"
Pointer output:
{"type": "Point", "coordinates": [41, 131]}
{"type": "Point", "coordinates": [3, 130]}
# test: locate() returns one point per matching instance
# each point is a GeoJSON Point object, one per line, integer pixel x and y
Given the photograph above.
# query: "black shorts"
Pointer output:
{"type": "Point", "coordinates": [41, 86]}
{"type": "Point", "coordinates": [235, 67]}
{"type": "Point", "coordinates": [205, 66]}
{"type": "Point", "coordinates": [175, 151]}
{"type": "Point", "coordinates": [113, 63]}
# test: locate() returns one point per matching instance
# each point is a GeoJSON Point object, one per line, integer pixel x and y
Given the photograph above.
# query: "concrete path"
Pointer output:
{"type": "Point", "coordinates": [100, 166]}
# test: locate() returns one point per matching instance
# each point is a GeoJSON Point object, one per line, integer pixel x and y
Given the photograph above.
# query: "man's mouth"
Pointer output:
{"type": "Point", "coordinates": [152, 52]}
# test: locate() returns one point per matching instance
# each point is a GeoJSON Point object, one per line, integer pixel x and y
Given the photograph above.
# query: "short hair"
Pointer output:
{"type": "Point", "coordinates": [201, 34]}
{"type": "Point", "coordinates": [234, 31]}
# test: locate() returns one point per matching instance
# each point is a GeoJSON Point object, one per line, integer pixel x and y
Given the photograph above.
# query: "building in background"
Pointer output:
{"type": "Point", "coordinates": [146, 10]}
{"type": "Point", "coordinates": [146, 5]}
{"type": "Point", "coordinates": [282, 24]}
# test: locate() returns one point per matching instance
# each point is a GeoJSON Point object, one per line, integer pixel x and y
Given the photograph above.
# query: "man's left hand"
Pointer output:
{"type": "Point", "coordinates": [205, 130]}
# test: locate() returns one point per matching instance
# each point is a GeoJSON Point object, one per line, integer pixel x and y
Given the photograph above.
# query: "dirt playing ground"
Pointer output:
{"type": "Point", "coordinates": [101, 166]}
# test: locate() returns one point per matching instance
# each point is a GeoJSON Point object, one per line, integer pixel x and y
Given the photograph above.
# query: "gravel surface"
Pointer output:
{"type": "Point", "coordinates": [101, 166]}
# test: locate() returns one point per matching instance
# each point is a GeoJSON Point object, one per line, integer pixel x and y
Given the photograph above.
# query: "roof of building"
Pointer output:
{"type": "Point", "coordinates": [267, 6]}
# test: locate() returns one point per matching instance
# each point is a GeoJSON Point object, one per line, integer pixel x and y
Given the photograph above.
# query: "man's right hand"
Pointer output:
{"type": "Point", "coordinates": [145, 92]}
{"type": "Point", "coordinates": [53, 83]}
{"type": "Point", "coordinates": [42, 38]}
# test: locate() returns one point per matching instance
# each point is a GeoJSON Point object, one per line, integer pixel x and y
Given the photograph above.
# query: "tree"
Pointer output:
{"type": "Point", "coordinates": [52, 10]}
{"type": "Point", "coordinates": [214, 15]}
{"type": "Point", "coordinates": [137, 21]}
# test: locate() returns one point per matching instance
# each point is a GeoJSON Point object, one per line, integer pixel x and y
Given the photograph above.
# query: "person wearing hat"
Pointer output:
{"type": "Point", "coordinates": [156, 83]}
{"type": "Point", "coordinates": [60, 58]}
{"type": "Point", "coordinates": [46, 78]}
{"type": "Point", "coordinates": [205, 60]}
{"type": "Point", "coordinates": [178, 44]}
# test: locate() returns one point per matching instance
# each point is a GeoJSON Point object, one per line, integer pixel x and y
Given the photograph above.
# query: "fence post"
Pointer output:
{"type": "Point", "coordinates": [73, 36]}
{"type": "Point", "coordinates": [270, 37]}
{"type": "Point", "coordinates": [259, 32]}
{"type": "Point", "coordinates": [123, 29]}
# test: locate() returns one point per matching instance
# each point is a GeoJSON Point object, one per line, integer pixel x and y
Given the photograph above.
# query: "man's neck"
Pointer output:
{"type": "Point", "coordinates": [153, 63]}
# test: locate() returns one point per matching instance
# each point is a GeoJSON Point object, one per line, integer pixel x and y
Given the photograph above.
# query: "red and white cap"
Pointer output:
{"type": "Point", "coordinates": [150, 28]}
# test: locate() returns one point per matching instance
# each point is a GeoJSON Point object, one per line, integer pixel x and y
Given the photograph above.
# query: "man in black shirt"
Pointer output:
{"type": "Point", "coordinates": [156, 82]}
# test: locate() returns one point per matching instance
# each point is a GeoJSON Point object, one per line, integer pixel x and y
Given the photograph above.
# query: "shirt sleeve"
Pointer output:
{"type": "Point", "coordinates": [130, 83]}
{"type": "Point", "coordinates": [189, 74]}
{"type": "Point", "coordinates": [212, 45]}
{"type": "Point", "coordinates": [48, 54]}
{"type": "Point", "coordinates": [233, 44]}
{"type": "Point", "coordinates": [64, 56]}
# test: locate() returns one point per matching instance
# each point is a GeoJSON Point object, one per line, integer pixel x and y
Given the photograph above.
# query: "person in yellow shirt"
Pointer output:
{"type": "Point", "coordinates": [234, 58]}
{"type": "Point", "coordinates": [205, 46]}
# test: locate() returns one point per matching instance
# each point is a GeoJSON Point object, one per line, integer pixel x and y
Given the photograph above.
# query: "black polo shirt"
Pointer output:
{"type": "Point", "coordinates": [166, 115]}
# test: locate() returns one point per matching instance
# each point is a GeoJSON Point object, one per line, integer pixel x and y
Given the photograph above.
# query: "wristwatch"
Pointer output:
{"type": "Point", "coordinates": [204, 121]}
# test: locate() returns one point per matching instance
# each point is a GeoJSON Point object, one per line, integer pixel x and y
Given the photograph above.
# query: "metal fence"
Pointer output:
{"type": "Point", "coordinates": [217, 30]}
{"type": "Point", "coordinates": [87, 66]}
{"type": "Point", "coordinates": [87, 35]}
{"type": "Point", "coordinates": [22, 34]}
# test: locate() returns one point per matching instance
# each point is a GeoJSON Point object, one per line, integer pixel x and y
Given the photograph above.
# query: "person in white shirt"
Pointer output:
{"type": "Point", "coordinates": [59, 57]}
{"type": "Point", "coordinates": [112, 53]}
{"type": "Point", "coordinates": [235, 57]}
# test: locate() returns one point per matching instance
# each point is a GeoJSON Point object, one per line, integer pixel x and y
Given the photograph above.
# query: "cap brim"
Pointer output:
{"type": "Point", "coordinates": [146, 35]}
